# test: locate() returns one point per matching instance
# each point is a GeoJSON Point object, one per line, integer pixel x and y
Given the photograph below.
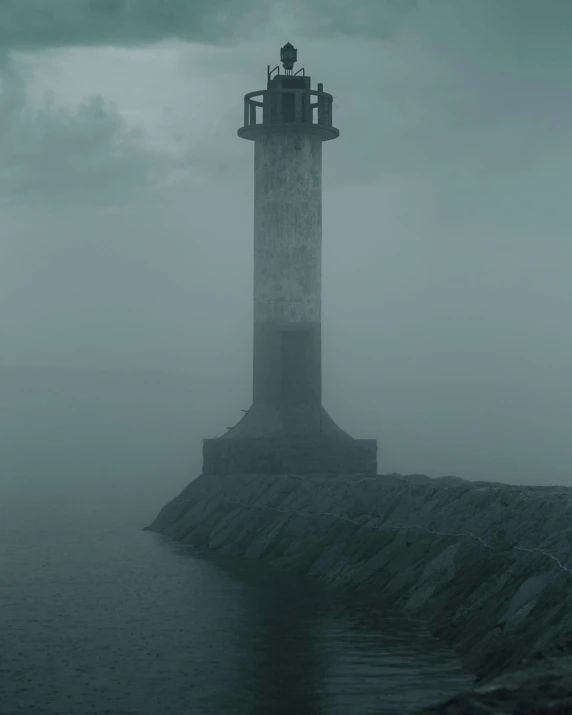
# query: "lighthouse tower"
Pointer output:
{"type": "Point", "coordinates": [287, 429]}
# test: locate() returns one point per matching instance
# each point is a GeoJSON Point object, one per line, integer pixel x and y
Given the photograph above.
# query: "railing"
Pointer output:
{"type": "Point", "coordinates": [300, 110]}
{"type": "Point", "coordinates": [287, 73]}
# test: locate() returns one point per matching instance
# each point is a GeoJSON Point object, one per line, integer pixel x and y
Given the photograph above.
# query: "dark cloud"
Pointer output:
{"type": "Point", "coordinates": [36, 24]}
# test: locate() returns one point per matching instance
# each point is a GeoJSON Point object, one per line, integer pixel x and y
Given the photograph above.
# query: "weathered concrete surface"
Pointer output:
{"type": "Point", "coordinates": [290, 455]}
{"type": "Point", "coordinates": [488, 566]}
{"type": "Point", "coordinates": [287, 228]}
{"type": "Point", "coordinates": [287, 261]}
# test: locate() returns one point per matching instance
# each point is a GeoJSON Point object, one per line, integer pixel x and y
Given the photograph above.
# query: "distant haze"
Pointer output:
{"type": "Point", "coordinates": [126, 240]}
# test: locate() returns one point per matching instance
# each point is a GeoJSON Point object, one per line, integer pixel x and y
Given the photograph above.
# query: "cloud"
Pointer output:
{"type": "Point", "coordinates": [465, 90]}
{"type": "Point", "coordinates": [469, 92]}
{"type": "Point", "coordinates": [38, 24]}
{"type": "Point", "coordinates": [360, 18]}
{"type": "Point", "coordinates": [460, 23]}
{"type": "Point", "coordinates": [87, 153]}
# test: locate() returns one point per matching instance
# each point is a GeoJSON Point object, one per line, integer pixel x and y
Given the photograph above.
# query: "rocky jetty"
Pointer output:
{"type": "Point", "coordinates": [488, 566]}
{"type": "Point", "coordinates": [541, 687]}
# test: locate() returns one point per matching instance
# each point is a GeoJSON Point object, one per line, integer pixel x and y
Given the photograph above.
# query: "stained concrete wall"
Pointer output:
{"type": "Point", "coordinates": [287, 254]}
{"type": "Point", "coordinates": [288, 455]}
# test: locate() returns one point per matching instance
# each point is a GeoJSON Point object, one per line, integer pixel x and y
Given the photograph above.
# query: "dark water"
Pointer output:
{"type": "Point", "coordinates": [97, 616]}
{"type": "Point", "coordinates": [125, 621]}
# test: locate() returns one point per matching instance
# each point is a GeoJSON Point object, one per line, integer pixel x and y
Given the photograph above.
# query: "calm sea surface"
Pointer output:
{"type": "Point", "coordinates": [125, 621]}
{"type": "Point", "coordinates": [97, 616]}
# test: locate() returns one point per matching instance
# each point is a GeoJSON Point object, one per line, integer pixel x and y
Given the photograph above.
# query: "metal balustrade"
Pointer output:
{"type": "Point", "coordinates": [285, 108]}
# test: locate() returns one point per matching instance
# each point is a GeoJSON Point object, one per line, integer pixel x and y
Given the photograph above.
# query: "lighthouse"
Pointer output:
{"type": "Point", "coordinates": [286, 429]}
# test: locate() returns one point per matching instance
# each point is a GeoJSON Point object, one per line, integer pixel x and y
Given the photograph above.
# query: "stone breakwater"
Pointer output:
{"type": "Point", "coordinates": [487, 566]}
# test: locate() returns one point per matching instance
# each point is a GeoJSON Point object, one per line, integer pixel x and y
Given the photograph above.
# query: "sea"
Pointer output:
{"type": "Point", "coordinates": [100, 617]}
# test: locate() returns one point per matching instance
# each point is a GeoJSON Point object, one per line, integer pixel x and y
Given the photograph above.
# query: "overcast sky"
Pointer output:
{"type": "Point", "coordinates": [126, 201]}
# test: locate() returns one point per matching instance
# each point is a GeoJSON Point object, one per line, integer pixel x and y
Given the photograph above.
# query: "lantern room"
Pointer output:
{"type": "Point", "coordinates": [288, 104]}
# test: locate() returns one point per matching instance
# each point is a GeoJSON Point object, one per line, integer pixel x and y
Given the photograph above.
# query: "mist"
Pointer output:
{"type": "Point", "coordinates": [126, 241]}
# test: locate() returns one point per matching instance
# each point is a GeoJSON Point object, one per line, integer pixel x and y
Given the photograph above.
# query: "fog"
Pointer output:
{"type": "Point", "coordinates": [83, 449]}
{"type": "Point", "coordinates": [126, 239]}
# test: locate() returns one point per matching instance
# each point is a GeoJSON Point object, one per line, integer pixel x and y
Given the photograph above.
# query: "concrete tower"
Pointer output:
{"type": "Point", "coordinates": [286, 429]}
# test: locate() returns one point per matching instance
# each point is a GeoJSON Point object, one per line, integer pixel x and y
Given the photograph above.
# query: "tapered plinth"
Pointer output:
{"type": "Point", "coordinates": [288, 439]}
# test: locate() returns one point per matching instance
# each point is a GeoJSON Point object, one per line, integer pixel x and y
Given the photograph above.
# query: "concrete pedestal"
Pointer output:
{"type": "Point", "coordinates": [289, 455]}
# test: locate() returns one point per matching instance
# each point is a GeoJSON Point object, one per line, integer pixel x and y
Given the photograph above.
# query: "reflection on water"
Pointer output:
{"type": "Point", "coordinates": [316, 649]}
{"type": "Point", "coordinates": [128, 622]}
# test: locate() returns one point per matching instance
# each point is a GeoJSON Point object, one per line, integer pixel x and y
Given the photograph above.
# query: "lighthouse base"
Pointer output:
{"type": "Point", "coordinates": [289, 455]}
{"type": "Point", "coordinates": [292, 438]}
